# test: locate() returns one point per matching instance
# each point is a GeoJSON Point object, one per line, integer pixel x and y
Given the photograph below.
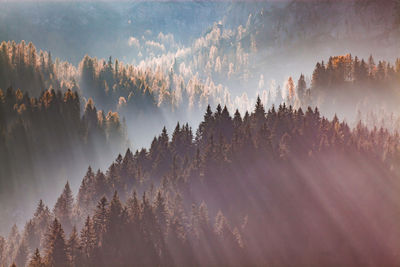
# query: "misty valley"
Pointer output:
{"type": "Point", "coordinates": [199, 133]}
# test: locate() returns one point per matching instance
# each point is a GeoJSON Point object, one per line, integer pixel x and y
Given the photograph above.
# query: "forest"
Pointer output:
{"type": "Point", "coordinates": [186, 133]}
{"type": "Point", "coordinates": [218, 184]}
{"type": "Point", "coordinates": [195, 188]}
{"type": "Point", "coordinates": [227, 194]}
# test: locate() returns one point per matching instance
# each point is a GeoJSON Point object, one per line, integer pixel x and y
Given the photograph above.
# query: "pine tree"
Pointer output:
{"type": "Point", "coordinates": [128, 168]}
{"type": "Point", "coordinates": [73, 248]}
{"type": "Point", "coordinates": [31, 236]}
{"type": "Point", "coordinates": [134, 209]}
{"type": "Point", "coordinates": [203, 132]}
{"type": "Point", "coordinates": [226, 124]}
{"type": "Point", "coordinates": [56, 249]}
{"type": "Point", "coordinates": [88, 241]}
{"type": "Point", "coordinates": [237, 126]}
{"type": "Point", "coordinates": [153, 246]}
{"type": "Point", "coordinates": [259, 114]}
{"type": "Point", "coordinates": [371, 67]}
{"type": "Point", "coordinates": [362, 72]}
{"type": "Point", "coordinates": [301, 87]}
{"type": "Point", "coordinates": [380, 72]}
{"type": "Point", "coordinates": [85, 194]}
{"type": "Point", "coordinates": [63, 208]}
{"type": "Point", "coordinates": [40, 208]}
{"type": "Point", "coordinates": [318, 76]}
{"type": "Point", "coordinates": [36, 260]}
{"type": "Point", "coordinates": [161, 212]}
{"type": "Point", "coordinates": [101, 186]}
{"type": "Point", "coordinates": [115, 212]}
{"type": "Point", "coordinates": [100, 219]}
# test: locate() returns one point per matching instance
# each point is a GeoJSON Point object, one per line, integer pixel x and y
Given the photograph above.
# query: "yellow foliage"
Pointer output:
{"type": "Point", "coordinates": [19, 95]}
{"type": "Point", "coordinates": [21, 109]}
{"type": "Point", "coordinates": [338, 61]}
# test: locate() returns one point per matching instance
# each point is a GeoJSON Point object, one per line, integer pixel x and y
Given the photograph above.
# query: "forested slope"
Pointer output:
{"type": "Point", "coordinates": [285, 187]}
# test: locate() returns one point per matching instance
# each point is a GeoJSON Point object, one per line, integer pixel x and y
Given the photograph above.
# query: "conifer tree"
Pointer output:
{"type": "Point", "coordinates": [63, 207]}
{"type": "Point", "coordinates": [86, 192]}
{"type": "Point", "coordinates": [31, 236]}
{"type": "Point", "coordinates": [101, 186]}
{"type": "Point", "coordinates": [74, 248]}
{"type": "Point", "coordinates": [161, 212]}
{"type": "Point", "coordinates": [100, 219]}
{"type": "Point", "coordinates": [36, 260]}
{"type": "Point", "coordinates": [56, 249]}
{"type": "Point", "coordinates": [301, 87]}
{"type": "Point", "coordinates": [88, 241]}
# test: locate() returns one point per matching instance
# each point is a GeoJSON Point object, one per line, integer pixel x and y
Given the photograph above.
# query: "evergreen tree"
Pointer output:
{"type": "Point", "coordinates": [74, 248]}
{"type": "Point", "coordinates": [100, 219]}
{"type": "Point", "coordinates": [301, 87]}
{"type": "Point", "coordinates": [63, 207]}
{"type": "Point", "coordinates": [56, 249]}
{"type": "Point", "coordinates": [88, 241]}
{"type": "Point", "coordinates": [36, 260]}
{"type": "Point", "coordinates": [31, 236]}
{"type": "Point", "coordinates": [85, 193]}
{"type": "Point", "coordinates": [101, 186]}
{"type": "Point", "coordinates": [161, 212]}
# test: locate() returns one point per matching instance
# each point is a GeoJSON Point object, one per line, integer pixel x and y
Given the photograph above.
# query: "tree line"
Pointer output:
{"type": "Point", "coordinates": [341, 69]}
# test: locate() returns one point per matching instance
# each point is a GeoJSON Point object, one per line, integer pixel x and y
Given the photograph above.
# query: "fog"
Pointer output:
{"type": "Point", "coordinates": [188, 55]}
